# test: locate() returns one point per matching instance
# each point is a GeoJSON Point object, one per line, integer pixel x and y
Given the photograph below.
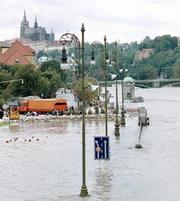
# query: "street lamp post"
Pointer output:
{"type": "Point", "coordinates": [123, 121]}
{"type": "Point", "coordinates": [105, 82]}
{"type": "Point", "coordinates": [117, 132]}
{"type": "Point", "coordinates": [69, 39]}
{"type": "Point", "coordinates": [84, 191]}
{"type": "Point", "coordinates": [105, 56]}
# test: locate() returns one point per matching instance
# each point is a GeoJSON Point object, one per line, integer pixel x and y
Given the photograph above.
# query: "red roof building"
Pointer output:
{"type": "Point", "coordinates": [17, 53]}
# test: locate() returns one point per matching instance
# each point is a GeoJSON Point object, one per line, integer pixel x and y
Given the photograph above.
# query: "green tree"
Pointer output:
{"type": "Point", "coordinates": [143, 72]}
{"type": "Point", "coordinates": [50, 66]}
{"type": "Point", "coordinates": [31, 78]}
{"type": "Point", "coordinates": [176, 69]}
{"type": "Point", "coordinates": [89, 95]}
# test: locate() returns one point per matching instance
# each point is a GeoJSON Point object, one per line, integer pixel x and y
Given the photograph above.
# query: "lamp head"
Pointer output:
{"type": "Point", "coordinates": [65, 66]}
{"type": "Point", "coordinates": [113, 76]}
{"type": "Point", "coordinates": [64, 56]}
{"type": "Point", "coordinates": [93, 87]}
{"type": "Point", "coordinates": [93, 62]}
{"type": "Point", "coordinates": [107, 58]}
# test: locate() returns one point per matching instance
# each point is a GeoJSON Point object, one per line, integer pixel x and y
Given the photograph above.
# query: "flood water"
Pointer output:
{"type": "Point", "coordinates": [44, 164]}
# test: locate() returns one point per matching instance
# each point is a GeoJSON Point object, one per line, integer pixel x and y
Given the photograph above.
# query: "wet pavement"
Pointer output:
{"type": "Point", "coordinates": [44, 162]}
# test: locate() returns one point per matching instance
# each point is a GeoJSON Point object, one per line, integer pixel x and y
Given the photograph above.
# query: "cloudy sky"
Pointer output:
{"type": "Point", "coordinates": [121, 20]}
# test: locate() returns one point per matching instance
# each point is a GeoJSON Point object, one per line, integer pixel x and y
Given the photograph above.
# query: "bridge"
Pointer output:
{"type": "Point", "coordinates": [143, 83]}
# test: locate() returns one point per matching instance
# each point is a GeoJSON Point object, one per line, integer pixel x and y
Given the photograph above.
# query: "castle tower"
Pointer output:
{"type": "Point", "coordinates": [35, 23]}
{"type": "Point", "coordinates": [35, 33]}
{"type": "Point", "coordinates": [24, 25]}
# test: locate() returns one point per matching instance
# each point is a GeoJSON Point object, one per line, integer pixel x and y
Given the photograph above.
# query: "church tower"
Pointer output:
{"type": "Point", "coordinates": [36, 35]}
{"type": "Point", "coordinates": [24, 25]}
{"type": "Point", "coordinates": [35, 23]}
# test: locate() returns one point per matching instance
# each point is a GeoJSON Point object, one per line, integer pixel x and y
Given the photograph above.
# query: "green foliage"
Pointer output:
{"type": "Point", "coordinates": [2, 102]}
{"type": "Point", "coordinates": [144, 71]}
{"type": "Point", "coordinates": [54, 54]}
{"type": "Point", "coordinates": [36, 82]}
{"type": "Point", "coordinates": [166, 52]}
{"type": "Point", "coordinates": [176, 69]}
{"type": "Point", "coordinates": [163, 62]}
{"type": "Point", "coordinates": [89, 96]}
{"type": "Point", "coordinates": [160, 43]}
{"type": "Point", "coordinates": [51, 65]}
{"type": "Point", "coordinates": [31, 81]}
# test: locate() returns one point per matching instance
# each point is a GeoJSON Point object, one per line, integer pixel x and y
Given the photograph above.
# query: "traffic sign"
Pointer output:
{"type": "Point", "coordinates": [101, 148]}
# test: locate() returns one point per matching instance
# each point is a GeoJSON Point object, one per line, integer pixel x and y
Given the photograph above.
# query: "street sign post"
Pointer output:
{"type": "Point", "coordinates": [101, 148]}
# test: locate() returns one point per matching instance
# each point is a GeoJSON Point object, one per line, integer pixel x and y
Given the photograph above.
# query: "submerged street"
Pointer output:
{"type": "Point", "coordinates": [44, 162]}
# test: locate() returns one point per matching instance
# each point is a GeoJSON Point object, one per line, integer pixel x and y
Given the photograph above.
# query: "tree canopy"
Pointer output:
{"type": "Point", "coordinates": [163, 61]}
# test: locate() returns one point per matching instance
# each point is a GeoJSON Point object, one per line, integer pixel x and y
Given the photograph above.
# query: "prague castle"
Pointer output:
{"type": "Point", "coordinates": [36, 33]}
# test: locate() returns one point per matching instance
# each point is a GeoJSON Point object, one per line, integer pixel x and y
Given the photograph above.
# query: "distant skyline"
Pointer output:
{"type": "Point", "coordinates": [123, 21]}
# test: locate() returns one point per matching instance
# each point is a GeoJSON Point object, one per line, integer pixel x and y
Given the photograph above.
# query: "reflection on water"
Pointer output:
{"type": "Point", "coordinates": [14, 128]}
{"type": "Point", "coordinates": [103, 184]}
{"type": "Point", "coordinates": [49, 169]}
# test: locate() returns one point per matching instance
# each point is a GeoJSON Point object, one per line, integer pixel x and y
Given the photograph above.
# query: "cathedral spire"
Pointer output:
{"type": "Point", "coordinates": [35, 23]}
{"type": "Point", "coordinates": [24, 17]}
{"type": "Point", "coordinates": [24, 25]}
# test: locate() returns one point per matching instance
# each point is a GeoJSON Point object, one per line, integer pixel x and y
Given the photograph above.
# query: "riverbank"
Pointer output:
{"type": "Point", "coordinates": [3, 123]}
{"type": "Point", "coordinates": [131, 111]}
{"type": "Point", "coordinates": [24, 118]}
{"type": "Point", "coordinates": [94, 117]}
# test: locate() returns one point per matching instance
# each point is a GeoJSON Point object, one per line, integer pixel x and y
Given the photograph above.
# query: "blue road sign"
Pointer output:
{"type": "Point", "coordinates": [101, 148]}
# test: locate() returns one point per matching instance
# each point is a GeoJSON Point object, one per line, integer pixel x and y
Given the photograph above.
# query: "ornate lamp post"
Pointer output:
{"type": "Point", "coordinates": [105, 82]}
{"type": "Point", "coordinates": [117, 132]}
{"type": "Point", "coordinates": [123, 121]}
{"type": "Point", "coordinates": [68, 39]}
{"type": "Point", "coordinates": [72, 37]}
{"type": "Point", "coordinates": [84, 191]}
{"type": "Point", "coordinates": [105, 56]}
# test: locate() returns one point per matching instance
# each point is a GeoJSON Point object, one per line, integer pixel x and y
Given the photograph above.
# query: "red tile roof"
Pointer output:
{"type": "Point", "coordinates": [17, 52]}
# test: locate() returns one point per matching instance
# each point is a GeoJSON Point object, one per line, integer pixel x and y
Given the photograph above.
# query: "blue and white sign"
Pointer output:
{"type": "Point", "coordinates": [101, 148]}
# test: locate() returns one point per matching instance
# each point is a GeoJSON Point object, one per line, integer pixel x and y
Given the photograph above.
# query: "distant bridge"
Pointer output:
{"type": "Point", "coordinates": [140, 83]}
{"type": "Point", "coordinates": [158, 80]}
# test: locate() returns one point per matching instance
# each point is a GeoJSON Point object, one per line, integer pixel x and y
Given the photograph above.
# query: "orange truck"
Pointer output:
{"type": "Point", "coordinates": [43, 105]}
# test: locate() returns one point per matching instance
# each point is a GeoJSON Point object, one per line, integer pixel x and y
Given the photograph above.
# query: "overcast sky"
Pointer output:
{"type": "Point", "coordinates": [121, 20]}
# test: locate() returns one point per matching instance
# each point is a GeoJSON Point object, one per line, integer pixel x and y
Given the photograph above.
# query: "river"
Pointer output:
{"type": "Point", "coordinates": [44, 163]}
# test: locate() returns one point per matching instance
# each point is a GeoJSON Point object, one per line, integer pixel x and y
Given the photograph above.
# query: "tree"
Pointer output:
{"type": "Point", "coordinates": [31, 78]}
{"type": "Point", "coordinates": [164, 43]}
{"type": "Point", "coordinates": [144, 72]}
{"type": "Point", "coordinates": [176, 69]}
{"type": "Point", "coordinates": [89, 95]}
{"type": "Point", "coordinates": [50, 66]}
